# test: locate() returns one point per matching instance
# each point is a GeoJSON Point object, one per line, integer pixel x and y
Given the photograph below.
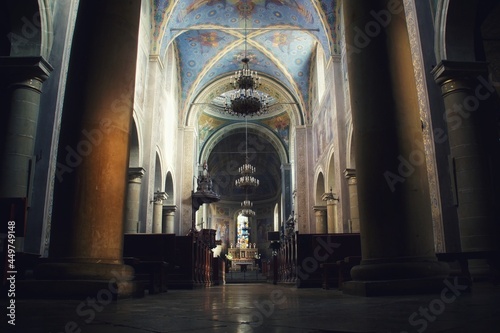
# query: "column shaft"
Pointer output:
{"type": "Point", "coordinates": [472, 138]}
{"type": "Point", "coordinates": [158, 212]}
{"type": "Point", "coordinates": [321, 217]}
{"type": "Point", "coordinates": [332, 200]}
{"type": "Point", "coordinates": [90, 190]}
{"type": "Point", "coordinates": [169, 219]}
{"type": "Point", "coordinates": [395, 217]}
{"type": "Point", "coordinates": [353, 199]}
{"type": "Point", "coordinates": [133, 200]}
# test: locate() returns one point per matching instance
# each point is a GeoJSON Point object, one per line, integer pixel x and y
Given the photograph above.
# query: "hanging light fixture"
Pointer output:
{"type": "Point", "coordinates": [245, 100]}
{"type": "Point", "coordinates": [247, 170]}
{"type": "Point", "coordinates": [246, 206]}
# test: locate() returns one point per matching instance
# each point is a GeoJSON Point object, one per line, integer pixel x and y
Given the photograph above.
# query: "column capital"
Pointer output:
{"type": "Point", "coordinates": [20, 69]}
{"type": "Point", "coordinates": [330, 197]}
{"type": "Point", "coordinates": [136, 173]}
{"type": "Point", "coordinates": [447, 71]}
{"type": "Point", "coordinates": [169, 208]}
{"type": "Point", "coordinates": [318, 208]}
{"type": "Point", "coordinates": [350, 173]}
{"type": "Point", "coordinates": [286, 166]}
{"type": "Point", "coordinates": [159, 197]}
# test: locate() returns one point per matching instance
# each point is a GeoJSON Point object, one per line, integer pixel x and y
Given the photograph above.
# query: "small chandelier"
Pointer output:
{"type": "Point", "coordinates": [247, 212]}
{"type": "Point", "coordinates": [246, 171]}
{"type": "Point", "coordinates": [245, 100]}
{"type": "Point", "coordinates": [246, 179]}
{"type": "Point", "coordinates": [246, 206]}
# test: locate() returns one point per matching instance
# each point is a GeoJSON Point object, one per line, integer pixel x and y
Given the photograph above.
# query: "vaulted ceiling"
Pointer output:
{"type": "Point", "coordinates": [282, 39]}
{"type": "Point", "coordinates": [209, 35]}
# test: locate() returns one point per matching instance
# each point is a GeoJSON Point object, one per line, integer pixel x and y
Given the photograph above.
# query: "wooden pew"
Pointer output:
{"type": "Point", "coordinates": [301, 257]}
{"type": "Point", "coordinates": [151, 257]}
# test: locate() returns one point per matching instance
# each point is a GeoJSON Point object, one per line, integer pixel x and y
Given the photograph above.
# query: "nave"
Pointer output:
{"type": "Point", "coordinates": [267, 308]}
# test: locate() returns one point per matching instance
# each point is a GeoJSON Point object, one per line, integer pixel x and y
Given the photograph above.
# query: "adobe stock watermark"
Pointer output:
{"type": "Point", "coordinates": [90, 139]}
{"type": "Point", "coordinates": [372, 29]}
{"type": "Point", "coordinates": [87, 310]}
{"type": "Point", "coordinates": [30, 30]}
{"type": "Point", "coordinates": [420, 319]}
{"type": "Point", "coordinates": [454, 118]}
{"type": "Point", "coordinates": [265, 309]}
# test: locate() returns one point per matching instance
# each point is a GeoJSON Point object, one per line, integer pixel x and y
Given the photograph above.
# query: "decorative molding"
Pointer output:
{"type": "Point", "coordinates": [423, 102]}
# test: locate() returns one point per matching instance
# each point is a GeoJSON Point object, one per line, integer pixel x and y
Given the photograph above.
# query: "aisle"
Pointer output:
{"type": "Point", "coordinates": [265, 308]}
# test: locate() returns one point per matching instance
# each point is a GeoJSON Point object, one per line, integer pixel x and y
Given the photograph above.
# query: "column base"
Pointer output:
{"type": "Point", "coordinates": [103, 291]}
{"type": "Point", "coordinates": [73, 270]}
{"type": "Point", "coordinates": [78, 280]}
{"type": "Point", "coordinates": [401, 287]}
{"type": "Point", "coordinates": [405, 276]}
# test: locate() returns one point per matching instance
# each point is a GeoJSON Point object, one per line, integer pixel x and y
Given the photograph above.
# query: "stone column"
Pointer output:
{"type": "Point", "coordinates": [86, 242]}
{"type": "Point", "coordinates": [23, 79]}
{"type": "Point", "coordinates": [471, 135]}
{"type": "Point", "coordinates": [301, 205]}
{"type": "Point", "coordinates": [169, 219]}
{"type": "Point", "coordinates": [394, 203]}
{"type": "Point", "coordinates": [158, 211]}
{"type": "Point", "coordinates": [350, 175]}
{"type": "Point", "coordinates": [321, 216]}
{"type": "Point", "coordinates": [332, 201]}
{"type": "Point", "coordinates": [286, 193]}
{"type": "Point", "coordinates": [133, 199]}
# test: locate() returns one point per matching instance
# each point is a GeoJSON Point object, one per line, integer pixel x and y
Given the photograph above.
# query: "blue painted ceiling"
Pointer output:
{"type": "Point", "coordinates": [209, 35]}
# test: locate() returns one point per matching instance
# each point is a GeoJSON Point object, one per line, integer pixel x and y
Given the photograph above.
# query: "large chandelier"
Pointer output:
{"type": "Point", "coordinates": [245, 100]}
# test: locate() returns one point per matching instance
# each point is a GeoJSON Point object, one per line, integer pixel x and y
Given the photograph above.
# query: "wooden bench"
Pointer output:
{"type": "Point", "coordinates": [150, 255]}
{"type": "Point", "coordinates": [323, 251]}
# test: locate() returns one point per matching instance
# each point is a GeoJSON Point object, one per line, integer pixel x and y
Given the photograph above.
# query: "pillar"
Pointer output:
{"type": "Point", "coordinates": [133, 199]}
{"type": "Point", "coordinates": [158, 211]}
{"type": "Point", "coordinates": [321, 217]}
{"type": "Point", "coordinates": [471, 135]}
{"type": "Point", "coordinates": [169, 219]}
{"type": "Point", "coordinates": [22, 79]}
{"type": "Point", "coordinates": [394, 203]}
{"type": "Point", "coordinates": [286, 194]}
{"type": "Point", "coordinates": [332, 201]}
{"type": "Point", "coordinates": [350, 175]}
{"type": "Point", "coordinates": [86, 243]}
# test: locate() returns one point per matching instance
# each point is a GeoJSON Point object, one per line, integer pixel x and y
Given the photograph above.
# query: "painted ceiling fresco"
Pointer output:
{"type": "Point", "coordinates": [281, 37]}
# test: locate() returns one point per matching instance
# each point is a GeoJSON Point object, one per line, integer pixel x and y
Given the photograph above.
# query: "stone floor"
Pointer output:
{"type": "Point", "coordinates": [242, 308]}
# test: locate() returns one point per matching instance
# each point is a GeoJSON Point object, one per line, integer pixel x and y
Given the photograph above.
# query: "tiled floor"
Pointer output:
{"type": "Point", "coordinates": [266, 308]}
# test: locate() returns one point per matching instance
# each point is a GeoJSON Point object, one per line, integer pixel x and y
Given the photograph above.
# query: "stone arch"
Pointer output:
{"type": "Point", "coordinates": [350, 147]}
{"type": "Point", "coordinates": [135, 151]}
{"type": "Point", "coordinates": [28, 29]}
{"type": "Point", "coordinates": [169, 188]}
{"type": "Point", "coordinates": [459, 29]}
{"type": "Point", "coordinates": [320, 189]}
{"type": "Point", "coordinates": [158, 184]}
{"type": "Point", "coordinates": [276, 217]}
{"type": "Point", "coordinates": [330, 181]}
{"type": "Point", "coordinates": [252, 128]}
{"type": "Point", "coordinates": [286, 101]}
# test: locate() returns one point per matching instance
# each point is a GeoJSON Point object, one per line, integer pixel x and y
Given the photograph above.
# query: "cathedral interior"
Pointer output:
{"type": "Point", "coordinates": [250, 165]}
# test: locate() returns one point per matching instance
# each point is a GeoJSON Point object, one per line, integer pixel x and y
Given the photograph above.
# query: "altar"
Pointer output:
{"type": "Point", "coordinates": [243, 259]}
